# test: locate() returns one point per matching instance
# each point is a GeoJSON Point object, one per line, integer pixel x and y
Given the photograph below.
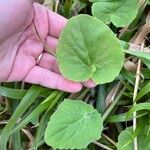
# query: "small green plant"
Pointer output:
{"type": "Point", "coordinates": [120, 12]}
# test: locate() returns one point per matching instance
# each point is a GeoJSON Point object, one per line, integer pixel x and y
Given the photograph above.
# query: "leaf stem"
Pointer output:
{"type": "Point", "coordinates": [136, 87]}
{"type": "Point", "coordinates": [102, 145]}
{"type": "Point", "coordinates": [109, 139]}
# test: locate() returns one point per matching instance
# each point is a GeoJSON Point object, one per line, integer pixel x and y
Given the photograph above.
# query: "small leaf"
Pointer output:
{"type": "Point", "coordinates": [124, 142]}
{"type": "Point", "coordinates": [120, 12]}
{"type": "Point", "coordinates": [74, 125]}
{"type": "Point", "coordinates": [144, 138]}
{"type": "Point", "coordinates": [123, 139]}
{"type": "Point", "coordinates": [89, 49]}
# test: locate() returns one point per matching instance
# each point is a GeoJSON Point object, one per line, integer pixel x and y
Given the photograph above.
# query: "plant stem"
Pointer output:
{"type": "Point", "coordinates": [100, 102]}
{"type": "Point", "coordinates": [102, 145]}
{"type": "Point", "coordinates": [112, 94]}
{"type": "Point", "coordinates": [109, 139]}
{"type": "Point", "coordinates": [56, 5]}
{"type": "Point", "coordinates": [83, 94]}
{"type": "Point", "coordinates": [137, 80]}
{"type": "Point", "coordinates": [111, 107]}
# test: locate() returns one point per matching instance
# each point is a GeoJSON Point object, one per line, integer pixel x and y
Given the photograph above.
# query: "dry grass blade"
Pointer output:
{"type": "Point", "coordinates": [135, 47]}
{"type": "Point", "coordinates": [29, 135]}
{"type": "Point", "coordinates": [109, 139]}
{"type": "Point", "coordinates": [143, 32]}
{"type": "Point", "coordinates": [136, 87]}
{"type": "Point", "coordinates": [112, 94]}
{"type": "Point", "coordinates": [102, 145]}
{"type": "Point", "coordinates": [6, 103]}
{"type": "Point", "coordinates": [56, 5]}
{"type": "Point", "coordinates": [49, 4]}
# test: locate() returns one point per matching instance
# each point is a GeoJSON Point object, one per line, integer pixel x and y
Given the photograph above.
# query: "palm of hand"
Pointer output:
{"type": "Point", "coordinates": [25, 66]}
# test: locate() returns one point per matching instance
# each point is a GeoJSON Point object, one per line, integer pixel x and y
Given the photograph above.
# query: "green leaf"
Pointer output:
{"type": "Point", "coordinates": [39, 139]}
{"type": "Point", "coordinates": [74, 125]}
{"type": "Point", "coordinates": [144, 138]}
{"type": "Point", "coordinates": [12, 93]}
{"type": "Point", "coordinates": [130, 32]}
{"type": "Point", "coordinates": [122, 117]}
{"type": "Point", "coordinates": [100, 102]}
{"type": "Point", "coordinates": [123, 139]}
{"type": "Point", "coordinates": [146, 73]}
{"type": "Point", "coordinates": [127, 143]}
{"type": "Point", "coordinates": [120, 12]}
{"type": "Point", "coordinates": [124, 142]}
{"type": "Point", "coordinates": [145, 57]}
{"type": "Point", "coordinates": [139, 54]}
{"type": "Point", "coordinates": [67, 7]}
{"type": "Point", "coordinates": [146, 62]}
{"type": "Point", "coordinates": [138, 107]}
{"type": "Point", "coordinates": [27, 100]}
{"type": "Point", "coordinates": [49, 101]}
{"type": "Point", "coordinates": [145, 90]}
{"type": "Point", "coordinates": [89, 49]}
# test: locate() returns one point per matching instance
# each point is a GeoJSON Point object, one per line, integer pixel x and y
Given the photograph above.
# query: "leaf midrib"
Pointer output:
{"type": "Point", "coordinates": [91, 113]}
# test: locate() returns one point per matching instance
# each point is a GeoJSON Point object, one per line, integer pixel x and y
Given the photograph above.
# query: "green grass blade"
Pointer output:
{"type": "Point", "coordinates": [12, 93]}
{"type": "Point", "coordinates": [37, 111]}
{"type": "Point", "coordinates": [139, 54]}
{"type": "Point", "coordinates": [43, 122]}
{"type": "Point", "coordinates": [27, 100]}
{"type": "Point", "coordinates": [145, 90]}
{"type": "Point", "coordinates": [138, 107]}
{"type": "Point", "coordinates": [16, 141]}
{"type": "Point", "coordinates": [122, 117]}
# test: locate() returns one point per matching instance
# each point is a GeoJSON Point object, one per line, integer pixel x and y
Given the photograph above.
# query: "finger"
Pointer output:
{"type": "Point", "coordinates": [25, 59]}
{"type": "Point", "coordinates": [52, 80]}
{"type": "Point", "coordinates": [51, 44]}
{"type": "Point", "coordinates": [56, 23]}
{"type": "Point", "coordinates": [41, 21]}
{"type": "Point", "coordinates": [48, 61]}
{"type": "Point", "coordinates": [89, 84]}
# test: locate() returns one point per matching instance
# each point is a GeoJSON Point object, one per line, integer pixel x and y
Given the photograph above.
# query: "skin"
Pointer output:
{"type": "Point", "coordinates": [26, 27]}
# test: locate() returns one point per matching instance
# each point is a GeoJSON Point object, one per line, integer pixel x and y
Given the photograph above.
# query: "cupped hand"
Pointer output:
{"type": "Point", "coordinates": [24, 44]}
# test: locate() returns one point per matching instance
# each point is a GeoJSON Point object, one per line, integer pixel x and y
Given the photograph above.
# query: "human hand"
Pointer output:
{"type": "Point", "coordinates": [33, 29]}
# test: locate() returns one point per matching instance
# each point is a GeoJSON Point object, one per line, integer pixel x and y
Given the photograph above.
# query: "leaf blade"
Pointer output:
{"type": "Point", "coordinates": [68, 122]}
{"type": "Point", "coordinates": [89, 49]}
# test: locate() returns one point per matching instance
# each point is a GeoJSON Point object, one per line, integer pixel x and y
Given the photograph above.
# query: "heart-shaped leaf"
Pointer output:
{"type": "Point", "coordinates": [89, 49]}
{"type": "Point", "coordinates": [120, 12]}
{"type": "Point", "coordinates": [73, 126]}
